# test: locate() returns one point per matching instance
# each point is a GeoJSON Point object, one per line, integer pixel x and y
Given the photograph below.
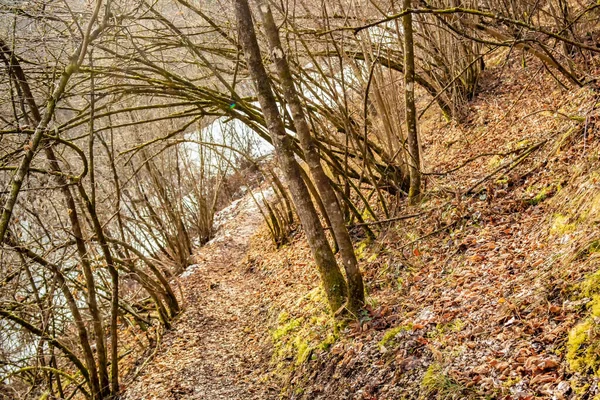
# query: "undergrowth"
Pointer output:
{"type": "Point", "coordinates": [583, 345]}
{"type": "Point", "coordinates": [436, 384]}
{"type": "Point", "coordinates": [312, 328]}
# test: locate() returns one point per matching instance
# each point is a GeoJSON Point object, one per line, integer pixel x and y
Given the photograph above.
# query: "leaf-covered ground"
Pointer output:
{"type": "Point", "coordinates": [488, 293]}
{"type": "Point", "coordinates": [484, 294]}
{"type": "Point", "coordinates": [216, 348]}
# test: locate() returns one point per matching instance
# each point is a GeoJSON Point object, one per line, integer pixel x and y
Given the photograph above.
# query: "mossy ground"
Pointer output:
{"type": "Point", "coordinates": [542, 194]}
{"type": "Point", "coordinates": [389, 338]}
{"type": "Point", "coordinates": [437, 385]}
{"type": "Point", "coordinates": [312, 328]}
{"type": "Point", "coordinates": [492, 281]}
{"type": "Point", "coordinates": [562, 224]}
{"type": "Point", "coordinates": [583, 345]}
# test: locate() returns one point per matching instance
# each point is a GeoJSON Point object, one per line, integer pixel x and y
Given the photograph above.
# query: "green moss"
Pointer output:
{"type": "Point", "coordinates": [561, 224]}
{"type": "Point", "coordinates": [495, 162]}
{"type": "Point", "coordinates": [283, 317]}
{"type": "Point", "coordinates": [543, 194]}
{"type": "Point", "coordinates": [431, 379]}
{"type": "Point", "coordinates": [510, 382]}
{"type": "Point", "coordinates": [317, 295]}
{"type": "Point", "coordinates": [580, 390]}
{"type": "Point", "coordinates": [589, 249]}
{"type": "Point", "coordinates": [457, 325]}
{"type": "Point", "coordinates": [579, 356]}
{"type": "Point", "coordinates": [361, 249]}
{"type": "Point", "coordinates": [503, 180]}
{"type": "Point", "coordinates": [367, 215]}
{"type": "Point", "coordinates": [389, 337]}
{"type": "Point", "coordinates": [594, 247]}
{"type": "Point", "coordinates": [583, 344]}
{"type": "Point", "coordinates": [523, 143]}
{"type": "Point", "coordinates": [440, 330]}
{"type": "Point", "coordinates": [435, 381]}
{"type": "Point", "coordinates": [328, 342]}
{"type": "Point", "coordinates": [591, 285]}
{"type": "Point", "coordinates": [303, 349]}
{"type": "Point", "coordinates": [372, 257]}
{"type": "Point", "coordinates": [285, 329]}
{"type": "Point", "coordinates": [296, 338]}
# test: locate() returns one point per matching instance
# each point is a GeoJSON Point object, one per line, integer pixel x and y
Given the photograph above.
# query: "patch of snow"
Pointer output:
{"type": "Point", "coordinates": [426, 315]}
{"type": "Point", "coordinates": [224, 215]}
{"type": "Point", "coordinates": [189, 270]}
{"type": "Point", "coordinates": [236, 221]}
{"type": "Point", "coordinates": [243, 206]}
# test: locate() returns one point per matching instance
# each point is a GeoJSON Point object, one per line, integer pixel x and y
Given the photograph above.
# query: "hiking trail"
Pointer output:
{"type": "Point", "coordinates": [216, 347]}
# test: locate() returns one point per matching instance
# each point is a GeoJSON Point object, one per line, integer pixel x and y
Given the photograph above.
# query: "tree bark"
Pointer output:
{"type": "Point", "coordinates": [356, 297]}
{"type": "Point", "coordinates": [331, 276]}
{"type": "Point", "coordinates": [84, 256]}
{"type": "Point", "coordinates": [414, 192]}
{"type": "Point", "coordinates": [114, 274]}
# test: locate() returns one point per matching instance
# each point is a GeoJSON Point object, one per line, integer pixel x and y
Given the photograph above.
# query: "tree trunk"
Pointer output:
{"type": "Point", "coordinates": [356, 297]}
{"type": "Point", "coordinates": [114, 274]}
{"type": "Point", "coordinates": [414, 192]}
{"type": "Point", "coordinates": [331, 276]}
{"type": "Point", "coordinates": [84, 256]}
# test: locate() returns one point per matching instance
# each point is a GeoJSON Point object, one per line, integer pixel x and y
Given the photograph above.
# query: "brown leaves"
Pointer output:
{"type": "Point", "coordinates": [554, 309]}
{"type": "Point", "coordinates": [476, 258]}
{"type": "Point", "coordinates": [536, 365]}
{"type": "Point", "coordinates": [482, 369]}
{"type": "Point", "coordinates": [502, 366]}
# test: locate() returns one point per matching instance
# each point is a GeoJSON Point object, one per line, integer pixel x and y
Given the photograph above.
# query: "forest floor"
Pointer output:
{"type": "Point", "coordinates": [214, 350]}
{"type": "Point", "coordinates": [488, 291]}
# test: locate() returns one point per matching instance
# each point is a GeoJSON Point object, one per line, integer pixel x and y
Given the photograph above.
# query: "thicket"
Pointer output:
{"type": "Point", "coordinates": [124, 125]}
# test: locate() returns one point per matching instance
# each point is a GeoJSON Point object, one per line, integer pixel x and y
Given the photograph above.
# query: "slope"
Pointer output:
{"type": "Point", "coordinates": [484, 294]}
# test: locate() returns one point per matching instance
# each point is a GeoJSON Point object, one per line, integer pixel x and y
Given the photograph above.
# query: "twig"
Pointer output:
{"type": "Point", "coordinates": [443, 228]}
{"type": "Point", "coordinates": [509, 166]}
{"type": "Point", "coordinates": [470, 160]}
{"type": "Point", "coordinates": [382, 221]}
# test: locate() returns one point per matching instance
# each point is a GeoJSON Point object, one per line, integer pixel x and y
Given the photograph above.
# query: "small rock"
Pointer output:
{"type": "Point", "coordinates": [561, 390]}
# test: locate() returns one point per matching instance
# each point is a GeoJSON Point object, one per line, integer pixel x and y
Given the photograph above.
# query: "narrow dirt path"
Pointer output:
{"type": "Point", "coordinates": [218, 345]}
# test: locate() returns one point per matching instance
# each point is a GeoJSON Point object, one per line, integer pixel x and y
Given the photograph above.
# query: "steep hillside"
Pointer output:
{"type": "Point", "coordinates": [416, 191]}
{"type": "Point", "coordinates": [484, 290]}
{"type": "Point", "coordinates": [488, 289]}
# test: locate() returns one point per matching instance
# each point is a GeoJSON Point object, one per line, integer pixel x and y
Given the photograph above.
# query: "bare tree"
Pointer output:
{"type": "Point", "coordinates": [331, 277]}
{"type": "Point", "coordinates": [313, 159]}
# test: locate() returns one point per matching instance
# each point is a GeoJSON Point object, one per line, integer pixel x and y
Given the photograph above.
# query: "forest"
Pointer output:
{"type": "Point", "coordinates": [261, 199]}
